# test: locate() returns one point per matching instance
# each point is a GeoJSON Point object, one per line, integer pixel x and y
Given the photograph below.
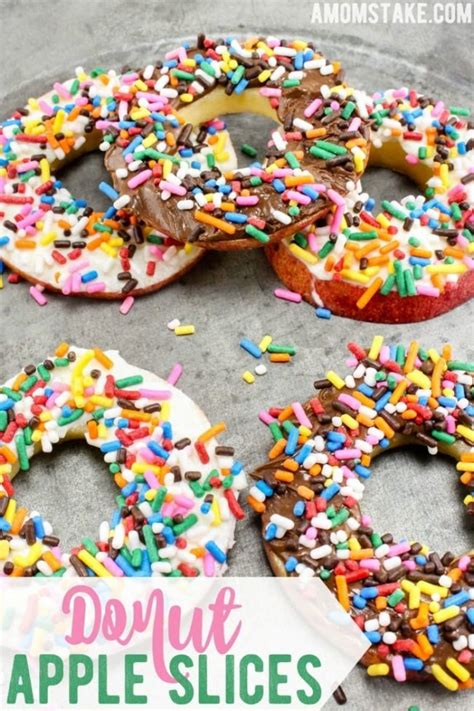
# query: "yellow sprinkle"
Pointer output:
{"type": "Point", "coordinates": [216, 512]}
{"type": "Point", "coordinates": [465, 466]}
{"type": "Point", "coordinates": [187, 330]}
{"type": "Point", "coordinates": [378, 670]}
{"type": "Point", "coordinates": [92, 563]}
{"type": "Point", "coordinates": [149, 140]}
{"type": "Point", "coordinates": [264, 343]}
{"type": "Point", "coordinates": [58, 120]}
{"type": "Point", "coordinates": [465, 432]}
{"type": "Point", "coordinates": [141, 86]}
{"type": "Point", "coordinates": [186, 98]}
{"type": "Point", "coordinates": [414, 598]}
{"type": "Point", "coordinates": [375, 347]}
{"type": "Point", "coordinates": [358, 277]}
{"type": "Point", "coordinates": [382, 220]}
{"type": "Point", "coordinates": [335, 379]}
{"type": "Point", "coordinates": [45, 171]}
{"type": "Point", "coordinates": [48, 238]}
{"type": "Point", "coordinates": [458, 268]}
{"type": "Point", "coordinates": [34, 553]}
{"type": "Point", "coordinates": [4, 549]}
{"type": "Point", "coordinates": [248, 377]}
{"type": "Point", "coordinates": [446, 614]}
{"type": "Point", "coordinates": [434, 355]}
{"type": "Point", "coordinates": [10, 512]}
{"type": "Point", "coordinates": [303, 254]}
{"type": "Point", "coordinates": [457, 669]}
{"type": "Point", "coordinates": [447, 681]}
{"type": "Point", "coordinates": [138, 114]}
{"type": "Point", "coordinates": [349, 421]}
{"type": "Point", "coordinates": [430, 589]}
{"type": "Point", "coordinates": [420, 379]}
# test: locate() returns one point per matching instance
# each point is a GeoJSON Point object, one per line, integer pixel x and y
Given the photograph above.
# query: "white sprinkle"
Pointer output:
{"type": "Point", "coordinates": [174, 324]}
{"type": "Point", "coordinates": [260, 369]}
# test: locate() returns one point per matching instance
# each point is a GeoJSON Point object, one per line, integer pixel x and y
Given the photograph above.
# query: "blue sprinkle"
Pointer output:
{"type": "Point", "coordinates": [112, 446]}
{"type": "Point", "coordinates": [250, 347]}
{"type": "Point", "coordinates": [216, 552]}
{"type": "Point", "coordinates": [291, 564]}
{"type": "Point", "coordinates": [323, 313]}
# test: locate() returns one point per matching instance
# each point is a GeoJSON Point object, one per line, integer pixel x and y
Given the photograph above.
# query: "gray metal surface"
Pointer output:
{"type": "Point", "coordinates": [228, 296]}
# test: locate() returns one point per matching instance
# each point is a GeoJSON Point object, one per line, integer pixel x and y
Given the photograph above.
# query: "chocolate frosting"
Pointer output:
{"type": "Point", "coordinates": [429, 568]}
{"type": "Point", "coordinates": [334, 173]}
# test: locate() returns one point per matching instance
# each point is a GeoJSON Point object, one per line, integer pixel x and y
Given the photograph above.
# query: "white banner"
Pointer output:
{"type": "Point", "coordinates": [166, 643]}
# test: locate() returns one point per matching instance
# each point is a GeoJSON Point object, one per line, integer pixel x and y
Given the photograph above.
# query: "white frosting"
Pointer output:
{"type": "Point", "coordinates": [187, 421]}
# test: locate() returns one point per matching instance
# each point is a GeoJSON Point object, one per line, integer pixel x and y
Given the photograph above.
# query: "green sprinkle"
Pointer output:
{"type": "Point", "coordinates": [23, 460]}
{"type": "Point", "coordinates": [388, 285]}
{"type": "Point", "coordinates": [98, 414]}
{"type": "Point", "coordinates": [399, 278]}
{"type": "Point", "coordinates": [292, 160]}
{"type": "Point", "coordinates": [210, 160]}
{"type": "Point", "coordinates": [326, 249]}
{"type": "Point", "coordinates": [75, 415]}
{"type": "Point", "coordinates": [12, 394]}
{"type": "Point", "coordinates": [208, 68]}
{"type": "Point", "coordinates": [461, 365]}
{"type": "Point", "coordinates": [3, 420]}
{"type": "Point", "coordinates": [150, 543]}
{"type": "Point", "coordinates": [348, 110]}
{"type": "Point", "coordinates": [289, 83]}
{"type": "Point", "coordinates": [28, 432]}
{"type": "Point", "coordinates": [197, 489]}
{"type": "Point", "coordinates": [294, 211]}
{"type": "Point", "coordinates": [127, 382]}
{"type": "Point", "coordinates": [422, 152]}
{"type": "Point", "coordinates": [362, 236]}
{"type": "Point", "coordinates": [443, 436]}
{"type": "Point", "coordinates": [275, 348]}
{"type": "Point", "coordinates": [114, 468]}
{"type": "Point", "coordinates": [137, 557]}
{"type": "Point", "coordinates": [320, 153]}
{"type": "Point", "coordinates": [275, 430]}
{"type": "Point", "coordinates": [340, 517]}
{"type": "Point", "coordinates": [159, 499]}
{"type": "Point", "coordinates": [255, 180]}
{"type": "Point", "coordinates": [331, 148]}
{"type": "Point", "coordinates": [459, 111]}
{"type": "Point", "coordinates": [409, 282]}
{"type": "Point", "coordinates": [154, 239]}
{"type": "Point", "coordinates": [388, 207]}
{"type": "Point", "coordinates": [28, 383]}
{"type": "Point", "coordinates": [188, 522]}
{"type": "Point", "coordinates": [248, 150]}
{"type": "Point", "coordinates": [44, 373]}
{"type": "Point", "coordinates": [300, 240]}
{"type": "Point", "coordinates": [395, 598]}
{"type": "Point", "coordinates": [417, 272]}
{"type": "Point", "coordinates": [257, 234]}
{"type": "Point", "coordinates": [238, 74]}
{"type": "Point", "coordinates": [179, 74]}
{"type": "Point", "coordinates": [288, 426]}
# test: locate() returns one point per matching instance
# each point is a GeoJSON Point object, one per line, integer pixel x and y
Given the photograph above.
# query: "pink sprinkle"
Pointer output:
{"type": "Point", "coordinates": [399, 93]}
{"type": "Point", "coordinates": [312, 108]}
{"type": "Point", "coordinates": [398, 667]}
{"type": "Point", "coordinates": [348, 453]}
{"type": "Point", "coordinates": [370, 564]}
{"type": "Point", "coordinates": [450, 424]}
{"type": "Point", "coordinates": [465, 656]}
{"type": "Point", "coordinates": [438, 109]}
{"type": "Point", "coordinates": [184, 501]}
{"type": "Point", "coordinates": [384, 354]}
{"type": "Point", "coordinates": [311, 533]}
{"type": "Point", "coordinates": [29, 165]}
{"type": "Point", "coordinates": [409, 564]}
{"type": "Point", "coordinates": [170, 187]}
{"type": "Point", "coordinates": [354, 124]}
{"type": "Point", "coordinates": [176, 373]}
{"type": "Point", "coordinates": [398, 549]}
{"type": "Point", "coordinates": [156, 252]}
{"type": "Point", "coordinates": [297, 197]}
{"type": "Point", "coordinates": [151, 480]}
{"type": "Point", "coordinates": [413, 160]}
{"type": "Point", "coordinates": [350, 401]}
{"type": "Point", "coordinates": [287, 295]}
{"type": "Point", "coordinates": [113, 568]}
{"type": "Point", "coordinates": [427, 290]}
{"type": "Point", "coordinates": [139, 179]}
{"type": "Point", "coordinates": [45, 107]}
{"type": "Point", "coordinates": [38, 296]}
{"type": "Point", "coordinates": [155, 394]}
{"type": "Point", "coordinates": [337, 220]}
{"type": "Point", "coordinates": [31, 219]}
{"type": "Point", "coordinates": [62, 91]}
{"type": "Point", "coordinates": [129, 78]}
{"type": "Point", "coordinates": [247, 200]}
{"type": "Point", "coordinates": [96, 287]}
{"type": "Point", "coordinates": [126, 305]}
{"type": "Point", "coordinates": [313, 242]}
{"type": "Point", "coordinates": [464, 562]}
{"type": "Point", "coordinates": [209, 566]}
{"type": "Point", "coordinates": [265, 417]}
{"type": "Point", "coordinates": [268, 91]}
{"type": "Point", "coordinates": [301, 415]}
{"type": "Point", "coordinates": [336, 198]}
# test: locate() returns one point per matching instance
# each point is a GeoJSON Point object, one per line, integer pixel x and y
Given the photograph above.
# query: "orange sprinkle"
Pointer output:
{"type": "Point", "coordinates": [305, 492]}
{"type": "Point", "coordinates": [277, 449]}
{"type": "Point", "coordinates": [342, 592]}
{"type": "Point", "coordinates": [92, 429]}
{"type": "Point", "coordinates": [257, 506]}
{"type": "Point", "coordinates": [18, 520]}
{"type": "Point", "coordinates": [212, 432]}
{"type": "Point", "coordinates": [286, 413]}
{"type": "Point", "coordinates": [285, 476]}
{"type": "Point", "coordinates": [369, 293]}
{"type": "Point", "coordinates": [280, 357]}
{"type": "Point", "coordinates": [214, 222]}
{"type": "Point", "coordinates": [291, 465]}
{"type": "Point", "coordinates": [411, 357]}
